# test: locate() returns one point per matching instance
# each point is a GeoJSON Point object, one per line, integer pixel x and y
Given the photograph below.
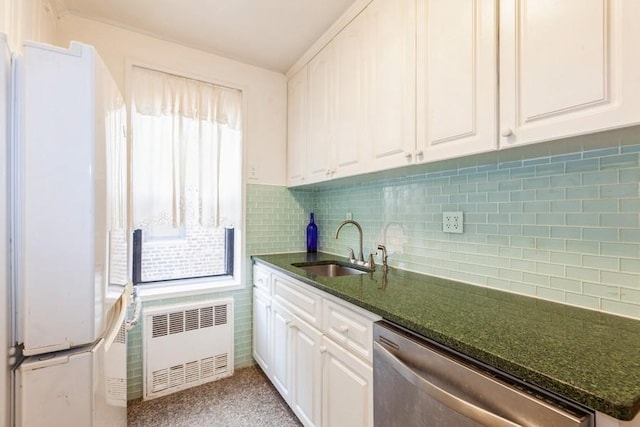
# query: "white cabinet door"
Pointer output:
{"type": "Point", "coordinates": [296, 127]}
{"type": "Point", "coordinates": [391, 83]}
{"type": "Point", "coordinates": [567, 67]}
{"type": "Point", "coordinates": [318, 160]}
{"type": "Point", "coordinates": [457, 78]}
{"type": "Point", "coordinates": [348, 97]}
{"type": "Point", "coordinates": [262, 329]}
{"type": "Point", "coordinates": [306, 376]}
{"type": "Point", "coordinates": [347, 388]}
{"type": "Point", "coordinates": [281, 346]}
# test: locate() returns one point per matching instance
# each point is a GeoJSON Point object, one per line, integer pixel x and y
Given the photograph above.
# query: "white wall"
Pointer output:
{"type": "Point", "coordinates": [265, 91]}
{"type": "Point", "coordinates": [4, 243]}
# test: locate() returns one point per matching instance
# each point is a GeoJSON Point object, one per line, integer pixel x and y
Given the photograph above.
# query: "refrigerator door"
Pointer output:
{"type": "Point", "coordinates": [71, 251]}
{"type": "Point", "coordinates": [84, 386]}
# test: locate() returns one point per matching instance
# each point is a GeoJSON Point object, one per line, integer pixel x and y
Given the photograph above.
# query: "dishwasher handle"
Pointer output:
{"type": "Point", "coordinates": [445, 397]}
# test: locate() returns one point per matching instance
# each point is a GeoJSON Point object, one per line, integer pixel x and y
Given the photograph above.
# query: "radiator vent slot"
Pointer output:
{"type": "Point", "coordinates": [221, 315]}
{"type": "Point", "coordinates": [206, 317]}
{"type": "Point", "coordinates": [176, 322]}
{"type": "Point", "coordinates": [160, 328]}
{"type": "Point", "coordinates": [187, 345]}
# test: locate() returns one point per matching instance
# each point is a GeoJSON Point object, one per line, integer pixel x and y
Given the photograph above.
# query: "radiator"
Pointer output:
{"type": "Point", "coordinates": [186, 345]}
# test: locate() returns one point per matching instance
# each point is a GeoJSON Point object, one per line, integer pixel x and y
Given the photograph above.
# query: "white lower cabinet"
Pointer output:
{"type": "Point", "coordinates": [262, 329]}
{"type": "Point", "coordinates": [297, 364]}
{"type": "Point", "coordinates": [306, 376]}
{"type": "Point", "coordinates": [347, 388]}
{"type": "Point", "coordinates": [280, 338]}
{"type": "Point", "coordinates": [325, 382]}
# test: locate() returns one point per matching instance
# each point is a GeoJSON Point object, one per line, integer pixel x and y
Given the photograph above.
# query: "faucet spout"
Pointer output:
{"type": "Point", "coordinates": [350, 221]}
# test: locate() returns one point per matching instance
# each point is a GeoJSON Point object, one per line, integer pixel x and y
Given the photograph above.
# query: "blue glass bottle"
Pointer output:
{"type": "Point", "coordinates": [312, 236]}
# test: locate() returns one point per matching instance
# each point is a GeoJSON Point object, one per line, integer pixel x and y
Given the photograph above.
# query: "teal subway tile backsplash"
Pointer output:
{"type": "Point", "coordinates": [630, 265]}
{"type": "Point", "coordinates": [559, 226]}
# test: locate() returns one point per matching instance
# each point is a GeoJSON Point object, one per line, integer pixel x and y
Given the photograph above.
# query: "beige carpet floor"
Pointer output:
{"type": "Point", "coordinates": [245, 399]}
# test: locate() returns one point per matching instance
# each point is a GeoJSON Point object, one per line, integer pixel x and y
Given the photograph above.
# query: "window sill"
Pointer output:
{"type": "Point", "coordinates": [186, 287]}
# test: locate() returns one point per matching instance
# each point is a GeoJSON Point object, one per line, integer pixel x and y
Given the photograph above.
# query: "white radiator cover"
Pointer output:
{"type": "Point", "coordinates": [186, 345]}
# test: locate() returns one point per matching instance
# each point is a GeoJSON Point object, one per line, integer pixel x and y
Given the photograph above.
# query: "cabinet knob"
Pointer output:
{"type": "Point", "coordinates": [343, 329]}
{"type": "Point", "coordinates": [419, 155]}
{"type": "Point", "coordinates": [408, 156]}
{"type": "Point", "coordinates": [506, 132]}
{"type": "Point", "coordinates": [323, 349]}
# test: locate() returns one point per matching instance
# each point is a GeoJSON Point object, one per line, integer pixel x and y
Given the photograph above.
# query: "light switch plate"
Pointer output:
{"type": "Point", "coordinates": [452, 222]}
{"type": "Point", "coordinates": [253, 172]}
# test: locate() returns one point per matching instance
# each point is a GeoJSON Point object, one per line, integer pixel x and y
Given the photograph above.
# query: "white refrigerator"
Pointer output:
{"type": "Point", "coordinates": [70, 253]}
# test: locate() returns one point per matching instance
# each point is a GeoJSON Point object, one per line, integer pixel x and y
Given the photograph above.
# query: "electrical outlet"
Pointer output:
{"type": "Point", "coordinates": [452, 222]}
{"type": "Point", "coordinates": [349, 215]}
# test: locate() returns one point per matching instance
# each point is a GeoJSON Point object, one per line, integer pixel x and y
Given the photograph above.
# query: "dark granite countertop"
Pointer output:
{"type": "Point", "coordinates": [588, 356]}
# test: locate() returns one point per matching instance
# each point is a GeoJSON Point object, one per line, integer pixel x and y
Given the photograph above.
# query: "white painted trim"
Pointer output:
{"type": "Point", "coordinates": [187, 287]}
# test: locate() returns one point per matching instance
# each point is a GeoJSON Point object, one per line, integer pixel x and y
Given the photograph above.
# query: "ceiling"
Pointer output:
{"type": "Point", "coordinates": [271, 34]}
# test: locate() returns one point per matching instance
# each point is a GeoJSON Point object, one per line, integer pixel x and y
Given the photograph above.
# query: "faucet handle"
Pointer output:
{"type": "Point", "coordinates": [384, 257]}
{"type": "Point", "coordinates": [352, 256]}
{"type": "Point", "coordinates": [372, 264]}
{"type": "Point", "coordinates": [384, 253]}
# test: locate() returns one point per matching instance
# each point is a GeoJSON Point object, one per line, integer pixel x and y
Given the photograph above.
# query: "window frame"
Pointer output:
{"type": "Point", "coordinates": [193, 286]}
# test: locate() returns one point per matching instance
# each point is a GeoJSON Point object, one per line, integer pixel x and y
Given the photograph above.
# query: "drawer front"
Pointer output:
{"type": "Point", "coordinates": [262, 278]}
{"type": "Point", "coordinates": [349, 328]}
{"type": "Point", "coordinates": [304, 304]}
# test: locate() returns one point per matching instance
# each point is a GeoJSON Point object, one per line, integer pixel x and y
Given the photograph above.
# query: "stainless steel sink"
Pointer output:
{"type": "Point", "coordinates": [328, 269]}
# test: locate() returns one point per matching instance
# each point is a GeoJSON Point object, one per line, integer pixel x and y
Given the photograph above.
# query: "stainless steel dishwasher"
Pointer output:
{"type": "Point", "coordinates": [418, 382]}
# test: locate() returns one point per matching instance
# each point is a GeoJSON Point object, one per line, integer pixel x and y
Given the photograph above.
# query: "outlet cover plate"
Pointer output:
{"type": "Point", "coordinates": [452, 222]}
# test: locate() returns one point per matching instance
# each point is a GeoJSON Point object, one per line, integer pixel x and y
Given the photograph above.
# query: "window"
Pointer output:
{"type": "Point", "coordinates": [186, 178]}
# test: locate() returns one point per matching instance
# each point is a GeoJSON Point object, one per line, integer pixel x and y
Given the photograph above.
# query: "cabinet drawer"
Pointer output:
{"type": "Point", "coordinates": [348, 328]}
{"type": "Point", "coordinates": [262, 278]}
{"type": "Point", "coordinates": [305, 304]}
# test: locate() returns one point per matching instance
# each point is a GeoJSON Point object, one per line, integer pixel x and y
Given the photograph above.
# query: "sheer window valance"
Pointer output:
{"type": "Point", "coordinates": [156, 93]}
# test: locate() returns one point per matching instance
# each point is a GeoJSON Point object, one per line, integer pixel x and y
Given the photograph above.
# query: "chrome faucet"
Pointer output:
{"type": "Point", "coordinates": [350, 221]}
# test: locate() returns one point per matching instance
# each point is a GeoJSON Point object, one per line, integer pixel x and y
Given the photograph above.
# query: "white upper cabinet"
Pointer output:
{"type": "Point", "coordinates": [335, 105]}
{"type": "Point", "coordinates": [349, 88]}
{"type": "Point", "coordinates": [567, 67]}
{"type": "Point", "coordinates": [412, 81]}
{"type": "Point", "coordinates": [391, 83]}
{"type": "Point", "coordinates": [318, 160]}
{"type": "Point", "coordinates": [456, 78]}
{"type": "Point", "coordinates": [296, 127]}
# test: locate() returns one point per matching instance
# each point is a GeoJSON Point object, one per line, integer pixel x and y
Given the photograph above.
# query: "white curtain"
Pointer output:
{"type": "Point", "coordinates": [186, 151]}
